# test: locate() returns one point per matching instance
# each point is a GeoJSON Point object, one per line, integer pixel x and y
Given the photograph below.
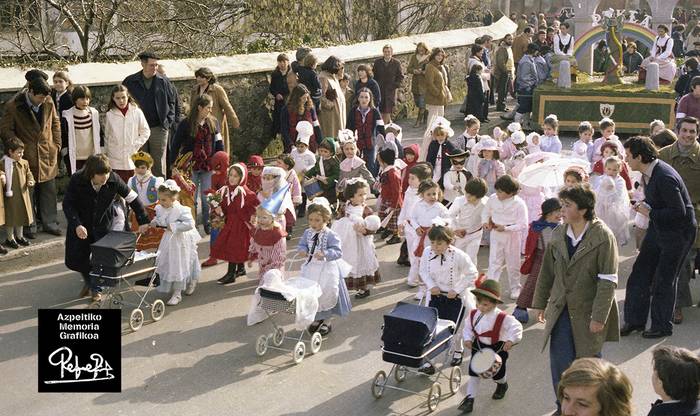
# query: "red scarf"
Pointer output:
{"type": "Point", "coordinates": [125, 109]}
{"type": "Point", "coordinates": [202, 148]}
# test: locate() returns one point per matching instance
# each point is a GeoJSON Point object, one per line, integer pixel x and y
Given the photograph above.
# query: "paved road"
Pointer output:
{"type": "Point", "coordinates": [200, 359]}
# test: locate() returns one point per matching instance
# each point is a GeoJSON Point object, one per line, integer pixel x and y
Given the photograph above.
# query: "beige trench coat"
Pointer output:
{"type": "Point", "coordinates": [574, 283]}
{"type": "Point", "coordinates": [333, 114]}
{"type": "Point", "coordinates": [19, 206]}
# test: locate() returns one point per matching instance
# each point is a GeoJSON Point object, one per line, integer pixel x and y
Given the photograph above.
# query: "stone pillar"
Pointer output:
{"type": "Point", "coordinates": [583, 22]}
{"type": "Point", "coordinates": [652, 78]}
{"type": "Point", "coordinates": [662, 12]}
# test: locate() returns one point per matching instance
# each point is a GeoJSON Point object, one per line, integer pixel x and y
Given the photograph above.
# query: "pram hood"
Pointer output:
{"type": "Point", "coordinates": [113, 250]}
{"type": "Point", "coordinates": [409, 326]}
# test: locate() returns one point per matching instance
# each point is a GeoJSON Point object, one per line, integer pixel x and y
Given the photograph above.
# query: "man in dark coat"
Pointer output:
{"type": "Point", "coordinates": [156, 97]}
{"type": "Point", "coordinates": [388, 74]}
{"type": "Point", "coordinates": [672, 228]}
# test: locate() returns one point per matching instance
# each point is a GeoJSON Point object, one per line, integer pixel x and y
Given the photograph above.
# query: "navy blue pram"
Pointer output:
{"type": "Point", "coordinates": [413, 335]}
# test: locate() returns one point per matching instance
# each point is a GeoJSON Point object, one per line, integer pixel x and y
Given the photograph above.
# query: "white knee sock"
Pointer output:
{"type": "Point", "coordinates": [19, 232]}
{"type": "Point", "coordinates": [473, 386]}
{"type": "Point", "coordinates": [502, 380]}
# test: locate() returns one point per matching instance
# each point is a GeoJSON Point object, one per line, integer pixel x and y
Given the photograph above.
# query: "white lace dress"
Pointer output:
{"type": "Point", "coordinates": [178, 262]}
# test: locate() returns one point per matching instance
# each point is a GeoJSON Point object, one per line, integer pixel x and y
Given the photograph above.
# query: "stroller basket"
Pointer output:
{"type": "Point", "coordinates": [111, 253]}
{"type": "Point", "coordinates": [275, 302]}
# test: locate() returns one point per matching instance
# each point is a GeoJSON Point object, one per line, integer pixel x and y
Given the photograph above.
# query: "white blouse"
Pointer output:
{"type": "Point", "coordinates": [511, 329]}
{"type": "Point", "coordinates": [451, 271]}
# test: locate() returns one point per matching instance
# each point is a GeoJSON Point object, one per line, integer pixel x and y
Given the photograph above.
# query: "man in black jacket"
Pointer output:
{"type": "Point", "coordinates": [156, 98]}
{"type": "Point", "coordinates": [672, 227]}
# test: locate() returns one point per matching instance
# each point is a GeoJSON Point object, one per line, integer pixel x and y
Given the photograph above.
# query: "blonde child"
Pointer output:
{"type": "Point", "coordinates": [322, 248]}
{"type": "Point", "coordinates": [355, 228]}
{"type": "Point", "coordinates": [612, 203]}
{"type": "Point", "coordinates": [457, 177]}
{"type": "Point", "coordinates": [449, 273]}
{"type": "Point", "coordinates": [439, 149]}
{"type": "Point", "coordinates": [550, 140]}
{"type": "Point", "coordinates": [178, 262]}
{"type": "Point", "coordinates": [16, 179]}
{"type": "Point", "coordinates": [607, 132]}
{"type": "Point", "coordinates": [505, 215]}
{"type": "Point", "coordinates": [416, 175]}
{"type": "Point", "coordinates": [490, 168]}
{"type": "Point", "coordinates": [585, 137]}
{"type": "Point", "coordinates": [421, 219]}
{"type": "Point", "coordinates": [488, 326]}
{"type": "Point", "coordinates": [465, 213]}
{"type": "Point", "coordinates": [352, 165]}
{"type": "Point", "coordinates": [656, 127]}
{"type": "Point", "coordinates": [182, 175]}
{"type": "Point", "coordinates": [81, 136]}
{"type": "Point", "coordinates": [144, 183]}
{"type": "Point", "coordinates": [609, 149]}
{"type": "Point", "coordinates": [268, 245]}
{"type": "Point", "coordinates": [533, 143]}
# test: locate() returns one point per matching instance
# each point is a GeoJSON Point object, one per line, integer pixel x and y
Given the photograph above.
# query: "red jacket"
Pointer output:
{"type": "Point", "coordinates": [391, 194]}
{"type": "Point", "coordinates": [414, 149]}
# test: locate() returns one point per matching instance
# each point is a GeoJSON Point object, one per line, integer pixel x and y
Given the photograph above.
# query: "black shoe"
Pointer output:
{"type": "Point", "coordinates": [227, 279]}
{"type": "Point", "coordinates": [314, 326]}
{"type": "Point", "coordinates": [395, 239]}
{"type": "Point", "coordinates": [500, 392]}
{"type": "Point", "coordinates": [22, 242]}
{"type": "Point", "coordinates": [653, 334]}
{"type": "Point", "coordinates": [467, 405]}
{"type": "Point", "coordinates": [385, 234]}
{"type": "Point", "coordinates": [403, 261]}
{"type": "Point", "coordinates": [11, 243]}
{"type": "Point", "coordinates": [324, 329]}
{"type": "Point", "coordinates": [240, 271]}
{"type": "Point", "coordinates": [29, 234]}
{"type": "Point", "coordinates": [628, 329]}
{"type": "Point", "coordinates": [207, 229]}
{"type": "Point", "coordinates": [456, 359]}
{"type": "Point", "coordinates": [427, 369]}
{"type": "Point", "coordinates": [53, 231]}
{"type": "Point", "coordinates": [362, 294]}
{"type": "Point", "coordinates": [288, 237]}
{"type": "Point", "coordinates": [3, 250]}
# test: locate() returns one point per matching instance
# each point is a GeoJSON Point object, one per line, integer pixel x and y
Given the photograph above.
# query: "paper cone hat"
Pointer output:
{"type": "Point", "coordinates": [273, 204]}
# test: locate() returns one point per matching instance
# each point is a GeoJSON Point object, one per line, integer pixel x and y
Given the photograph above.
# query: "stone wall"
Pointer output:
{"type": "Point", "coordinates": [246, 77]}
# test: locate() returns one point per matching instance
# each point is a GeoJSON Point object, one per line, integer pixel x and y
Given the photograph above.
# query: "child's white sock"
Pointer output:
{"type": "Point", "coordinates": [473, 386]}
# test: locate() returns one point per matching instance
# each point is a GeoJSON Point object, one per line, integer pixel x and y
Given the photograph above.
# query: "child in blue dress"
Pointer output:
{"type": "Point", "coordinates": [322, 248]}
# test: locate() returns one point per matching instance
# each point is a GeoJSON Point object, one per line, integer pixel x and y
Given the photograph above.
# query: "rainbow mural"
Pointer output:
{"type": "Point", "coordinates": [630, 30]}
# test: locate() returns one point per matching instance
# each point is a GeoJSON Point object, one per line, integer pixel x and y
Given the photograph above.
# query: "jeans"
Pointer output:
{"type": "Point", "coordinates": [562, 350]}
{"type": "Point", "coordinates": [202, 179]}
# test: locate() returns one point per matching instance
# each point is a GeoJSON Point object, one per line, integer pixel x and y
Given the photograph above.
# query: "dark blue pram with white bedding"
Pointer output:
{"type": "Point", "coordinates": [413, 335]}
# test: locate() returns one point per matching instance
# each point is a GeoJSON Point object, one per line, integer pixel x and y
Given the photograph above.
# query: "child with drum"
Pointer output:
{"type": "Point", "coordinates": [448, 273]}
{"type": "Point", "coordinates": [490, 333]}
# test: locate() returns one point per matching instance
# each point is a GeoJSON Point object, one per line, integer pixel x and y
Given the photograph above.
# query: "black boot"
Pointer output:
{"type": "Point", "coordinates": [501, 389]}
{"type": "Point", "coordinates": [230, 276]}
{"type": "Point", "coordinates": [240, 270]}
{"type": "Point", "coordinates": [403, 255]}
{"type": "Point", "coordinates": [467, 405]}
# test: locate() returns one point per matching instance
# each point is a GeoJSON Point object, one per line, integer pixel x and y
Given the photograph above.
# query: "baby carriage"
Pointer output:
{"type": "Point", "coordinates": [413, 335]}
{"type": "Point", "coordinates": [283, 297]}
{"type": "Point", "coordinates": [114, 260]}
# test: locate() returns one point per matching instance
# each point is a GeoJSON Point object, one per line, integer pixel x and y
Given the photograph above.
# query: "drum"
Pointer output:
{"type": "Point", "coordinates": [312, 188]}
{"type": "Point", "coordinates": [485, 363]}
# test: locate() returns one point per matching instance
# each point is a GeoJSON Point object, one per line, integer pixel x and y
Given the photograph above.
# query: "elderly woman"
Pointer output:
{"type": "Point", "coordinates": [594, 387]}
{"type": "Point", "coordinates": [88, 205]}
{"type": "Point", "coordinates": [575, 290]}
{"type": "Point", "coordinates": [221, 108]}
{"type": "Point", "coordinates": [333, 113]}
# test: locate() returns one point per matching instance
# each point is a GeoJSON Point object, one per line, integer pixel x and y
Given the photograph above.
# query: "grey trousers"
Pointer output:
{"type": "Point", "coordinates": [44, 205]}
{"type": "Point", "coordinates": [156, 146]}
{"type": "Point", "coordinates": [683, 298]}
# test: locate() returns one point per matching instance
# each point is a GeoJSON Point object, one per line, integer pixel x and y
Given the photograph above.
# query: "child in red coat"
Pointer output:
{"type": "Point", "coordinates": [238, 204]}
{"type": "Point", "coordinates": [610, 149]}
{"type": "Point", "coordinates": [390, 194]}
{"type": "Point", "coordinates": [255, 167]}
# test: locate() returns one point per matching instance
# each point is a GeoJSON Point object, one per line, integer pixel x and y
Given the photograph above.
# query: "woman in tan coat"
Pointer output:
{"type": "Point", "coordinates": [222, 109]}
{"type": "Point", "coordinates": [333, 112]}
{"type": "Point", "coordinates": [416, 67]}
{"type": "Point", "coordinates": [437, 93]}
{"type": "Point", "coordinates": [575, 293]}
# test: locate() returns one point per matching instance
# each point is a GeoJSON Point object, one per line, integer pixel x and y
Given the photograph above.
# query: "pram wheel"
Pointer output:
{"type": "Point", "coordinates": [136, 319]}
{"type": "Point", "coordinates": [434, 396]}
{"type": "Point", "coordinates": [261, 345]}
{"type": "Point", "coordinates": [378, 384]}
{"type": "Point", "coordinates": [157, 310]}
{"type": "Point", "coordinates": [316, 341]}
{"type": "Point", "coordinates": [455, 379]}
{"type": "Point", "coordinates": [299, 352]}
{"type": "Point", "coordinates": [278, 337]}
{"type": "Point", "coordinates": [400, 373]}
